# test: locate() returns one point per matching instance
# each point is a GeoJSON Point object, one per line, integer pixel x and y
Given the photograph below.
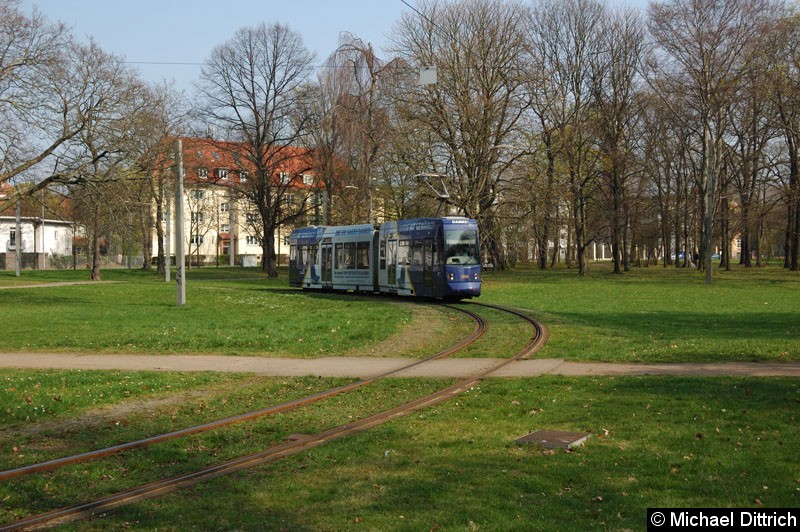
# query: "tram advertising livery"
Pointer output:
{"type": "Point", "coordinates": [422, 257]}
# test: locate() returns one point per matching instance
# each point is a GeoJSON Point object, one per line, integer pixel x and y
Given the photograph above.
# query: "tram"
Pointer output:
{"type": "Point", "coordinates": [422, 257]}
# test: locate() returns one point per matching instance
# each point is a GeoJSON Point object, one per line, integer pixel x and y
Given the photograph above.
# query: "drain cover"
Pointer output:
{"type": "Point", "coordinates": [552, 439]}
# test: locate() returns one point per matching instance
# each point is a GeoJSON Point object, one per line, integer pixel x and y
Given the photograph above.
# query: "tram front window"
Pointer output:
{"type": "Point", "coordinates": [461, 247]}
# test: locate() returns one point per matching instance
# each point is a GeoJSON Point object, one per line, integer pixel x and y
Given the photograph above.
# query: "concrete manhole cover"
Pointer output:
{"type": "Point", "coordinates": [554, 439]}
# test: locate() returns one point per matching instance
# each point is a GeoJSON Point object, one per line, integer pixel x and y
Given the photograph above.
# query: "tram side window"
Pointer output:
{"type": "Point", "coordinates": [341, 262]}
{"type": "Point", "coordinates": [362, 255]}
{"type": "Point", "coordinates": [352, 255]}
{"type": "Point", "coordinates": [416, 253]}
{"type": "Point", "coordinates": [383, 256]}
{"type": "Point", "coordinates": [310, 256]}
{"type": "Point", "coordinates": [300, 255]}
{"type": "Point", "coordinates": [403, 252]}
{"type": "Point", "coordinates": [391, 259]}
{"type": "Point", "coordinates": [430, 253]}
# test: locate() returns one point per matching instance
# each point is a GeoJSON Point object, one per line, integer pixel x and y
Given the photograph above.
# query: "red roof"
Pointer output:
{"type": "Point", "coordinates": [208, 160]}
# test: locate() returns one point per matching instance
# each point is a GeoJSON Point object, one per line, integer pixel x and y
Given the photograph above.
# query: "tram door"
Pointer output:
{"type": "Point", "coordinates": [391, 262]}
{"type": "Point", "coordinates": [327, 263]}
{"type": "Point", "coordinates": [427, 267]}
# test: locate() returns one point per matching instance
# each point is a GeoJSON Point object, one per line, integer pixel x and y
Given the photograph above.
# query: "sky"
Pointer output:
{"type": "Point", "coordinates": [185, 31]}
{"type": "Point", "coordinates": [182, 33]}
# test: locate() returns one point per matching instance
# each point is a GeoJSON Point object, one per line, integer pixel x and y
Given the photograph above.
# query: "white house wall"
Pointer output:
{"type": "Point", "coordinates": [208, 223]}
{"type": "Point", "coordinates": [55, 240]}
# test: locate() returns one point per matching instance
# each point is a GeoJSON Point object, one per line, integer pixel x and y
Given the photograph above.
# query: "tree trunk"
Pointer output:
{"type": "Point", "coordinates": [547, 220]}
{"type": "Point", "coordinates": [95, 276]}
{"type": "Point", "coordinates": [580, 234]}
{"type": "Point", "coordinates": [793, 230]}
{"type": "Point", "coordinates": [268, 262]}
{"type": "Point", "coordinates": [147, 240]}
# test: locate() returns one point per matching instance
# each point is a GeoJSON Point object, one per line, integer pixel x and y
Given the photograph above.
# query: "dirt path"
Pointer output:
{"type": "Point", "coordinates": [364, 366]}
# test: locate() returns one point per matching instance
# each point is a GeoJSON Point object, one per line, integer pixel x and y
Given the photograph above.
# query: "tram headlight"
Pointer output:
{"type": "Point", "coordinates": [476, 276]}
{"type": "Point", "coordinates": [451, 276]}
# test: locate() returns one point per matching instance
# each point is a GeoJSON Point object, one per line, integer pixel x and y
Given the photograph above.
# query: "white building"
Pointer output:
{"type": "Point", "coordinates": [41, 241]}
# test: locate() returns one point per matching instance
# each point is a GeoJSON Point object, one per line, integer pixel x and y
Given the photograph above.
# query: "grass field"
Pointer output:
{"type": "Point", "coordinates": [649, 315]}
{"type": "Point", "coordinates": [656, 441]}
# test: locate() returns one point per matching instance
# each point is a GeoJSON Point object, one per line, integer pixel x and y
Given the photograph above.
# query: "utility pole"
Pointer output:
{"type": "Point", "coordinates": [180, 272]}
{"type": "Point", "coordinates": [233, 231]}
{"type": "Point", "coordinates": [18, 240]}
{"type": "Point", "coordinates": [168, 236]}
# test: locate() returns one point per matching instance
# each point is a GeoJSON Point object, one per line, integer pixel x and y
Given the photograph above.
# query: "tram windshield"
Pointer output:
{"type": "Point", "coordinates": [461, 247]}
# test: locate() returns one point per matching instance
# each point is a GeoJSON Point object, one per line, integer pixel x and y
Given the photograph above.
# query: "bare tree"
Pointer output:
{"type": "Point", "coordinates": [566, 37]}
{"type": "Point", "coordinates": [614, 91]}
{"type": "Point", "coordinates": [252, 91]}
{"type": "Point", "coordinates": [476, 105]}
{"type": "Point", "coordinates": [159, 124]}
{"type": "Point", "coordinates": [704, 45]}
{"type": "Point", "coordinates": [36, 108]}
{"type": "Point", "coordinates": [362, 108]}
{"type": "Point", "coordinates": [786, 97]}
{"type": "Point", "coordinates": [102, 155]}
{"type": "Point", "coordinates": [326, 133]}
{"type": "Point", "coordinates": [752, 125]}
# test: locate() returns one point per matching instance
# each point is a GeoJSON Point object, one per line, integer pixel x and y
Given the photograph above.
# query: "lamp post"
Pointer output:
{"type": "Point", "coordinates": [180, 273]}
{"type": "Point", "coordinates": [168, 236]}
{"type": "Point", "coordinates": [18, 240]}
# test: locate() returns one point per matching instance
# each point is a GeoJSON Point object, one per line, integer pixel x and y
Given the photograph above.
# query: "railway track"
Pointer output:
{"type": "Point", "coordinates": [274, 453]}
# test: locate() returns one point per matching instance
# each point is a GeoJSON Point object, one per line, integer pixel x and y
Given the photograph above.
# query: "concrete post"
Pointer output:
{"type": "Point", "coordinates": [180, 272]}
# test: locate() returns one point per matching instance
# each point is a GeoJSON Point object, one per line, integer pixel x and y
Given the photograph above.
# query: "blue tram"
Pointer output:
{"type": "Point", "coordinates": [422, 257]}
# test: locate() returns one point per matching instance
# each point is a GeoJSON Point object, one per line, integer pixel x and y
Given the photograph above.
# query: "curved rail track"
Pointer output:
{"type": "Point", "coordinates": [277, 452]}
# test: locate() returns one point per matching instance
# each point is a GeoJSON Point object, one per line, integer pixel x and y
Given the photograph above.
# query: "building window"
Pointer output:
{"type": "Point", "coordinates": [224, 207]}
{"type": "Point", "coordinates": [197, 239]}
{"type": "Point", "coordinates": [308, 179]}
{"type": "Point", "coordinates": [197, 194]}
{"type": "Point", "coordinates": [252, 241]}
{"type": "Point", "coordinates": [243, 175]}
{"type": "Point", "coordinates": [13, 238]}
{"type": "Point", "coordinates": [202, 173]}
{"type": "Point", "coordinates": [222, 173]}
{"type": "Point", "coordinates": [198, 217]}
{"type": "Point", "coordinates": [226, 228]}
{"type": "Point", "coordinates": [251, 218]}
{"type": "Point", "coordinates": [285, 178]}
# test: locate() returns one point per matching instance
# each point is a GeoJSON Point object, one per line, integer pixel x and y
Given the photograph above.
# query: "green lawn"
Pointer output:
{"type": "Point", "coordinates": [655, 442]}
{"type": "Point", "coordinates": [648, 315]}
{"type": "Point", "coordinates": [226, 313]}
{"type": "Point", "coordinates": [660, 315]}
